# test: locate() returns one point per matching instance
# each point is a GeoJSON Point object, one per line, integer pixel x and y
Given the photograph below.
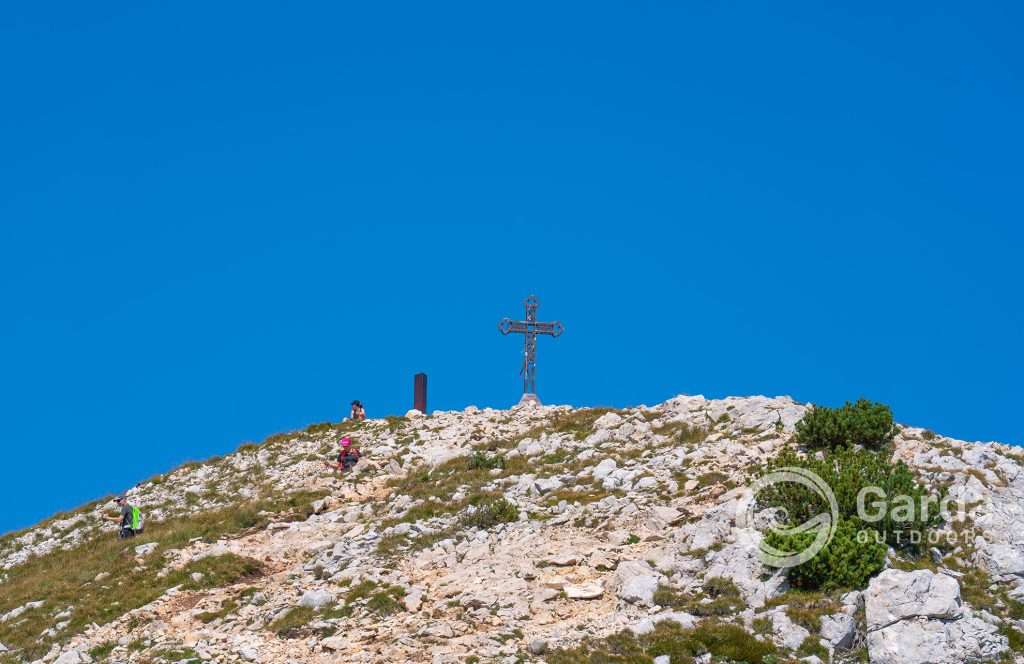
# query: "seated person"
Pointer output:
{"type": "Point", "coordinates": [348, 456]}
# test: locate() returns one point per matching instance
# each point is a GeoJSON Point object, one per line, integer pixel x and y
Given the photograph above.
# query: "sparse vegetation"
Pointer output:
{"type": "Point", "coordinates": [723, 641]}
{"type": "Point", "coordinates": [812, 646]}
{"type": "Point", "coordinates": [226, 608]}
{"type": "Point", "coordinates": [719, 597]}
{"type": "Point", "coordinates": [291, 624]}
{"type": "Point", "coordinates": [66, 577]}
{"type": "Point", "coordinates": [583, 495]}
{"type": "Point", "coordinates": [578, 423]}
{"type": "Point", "coordinates": [482, 461]}
{"type": "Point", "coordinates": [489, 513]}
{"type": "Point", "coordinates": [681, 433]}
{"type": "Point", "coordinates": [806, 608]}
{"type": "Point", "coordinates": [379, 599]}
{"type": "Point", "coordinates": [102, 650]}
{"type": "Point", "coordinates": [712, 478]}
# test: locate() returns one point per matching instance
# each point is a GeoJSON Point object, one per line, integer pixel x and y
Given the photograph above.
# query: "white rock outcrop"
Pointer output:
{"type": "Point", "coordinates": [918, 618]}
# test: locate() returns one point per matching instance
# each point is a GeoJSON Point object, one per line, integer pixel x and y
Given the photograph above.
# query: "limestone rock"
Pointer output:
{"type": "Point", "coordinates": [317, 599]}
{"type": "Point", "coordinates": [604, 469]}
{"type": "Point", "coordinates": [924, 641]}
{"type": "Point", "coordinates": [838, 630]}
{"type": "Point", "coordinates": [144, 550]}
{"type": "Point", "coordinates": [895, 595]}
{"type": "Point", "coordinates": [1004, 559]}
{"type": "Point", "coordinates": [73, 657]}
{"type": "Point", "coordinates": [787, 633]}
{"type": "Point", "coordinates": [635, 581]}
{"type": "Point", "coordinates": [583, 591]}
{"type": "Point", "coordinates": [918, 618]}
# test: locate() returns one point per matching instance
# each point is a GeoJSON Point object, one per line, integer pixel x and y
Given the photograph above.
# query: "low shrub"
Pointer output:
{"type": "Point", "coordinates": [719, 597]}
{"type": "Point", "coordinates": [380, 599]}
{"type": "Point", "coordinates": [846, 562]}
{"type": "Point", "coordinates": [489, 513]}
{"type": "Point", "coordinates": [102, 650]}
{"type": "Point", "coordinates": [846, 472]}
{"type": "Point", "coordinates": [864, 423]}
{"type": "Point", "coordinates": [481, 460]}
{"type": "Point", "coordinates": [291, 624]}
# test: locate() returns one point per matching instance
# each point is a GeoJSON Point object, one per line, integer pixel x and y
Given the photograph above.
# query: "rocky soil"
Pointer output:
{"type": "Point", "coordinates": [507, 535]}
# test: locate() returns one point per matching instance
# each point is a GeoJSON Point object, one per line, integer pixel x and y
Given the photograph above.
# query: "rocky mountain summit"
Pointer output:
{"type": "Point", "coordinates": [525, 535]}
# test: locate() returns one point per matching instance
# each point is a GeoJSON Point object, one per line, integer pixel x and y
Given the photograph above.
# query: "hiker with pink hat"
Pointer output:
{"type": "Point", "coordinates": [348, 456]}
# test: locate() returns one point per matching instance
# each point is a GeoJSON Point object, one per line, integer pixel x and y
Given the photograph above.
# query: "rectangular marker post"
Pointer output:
{"type": "Point", "coordinates": [419, 392]}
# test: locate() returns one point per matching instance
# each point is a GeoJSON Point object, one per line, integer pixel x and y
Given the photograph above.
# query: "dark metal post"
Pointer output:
{"type": "Point", "coordinates": [419, 392]}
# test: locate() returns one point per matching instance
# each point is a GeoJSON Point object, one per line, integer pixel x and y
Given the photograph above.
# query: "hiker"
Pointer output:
{"type": "Point", "coordinates": [129, 518]}
{"type": "Point", "coordinates": [358, 414]}
{"type": "Point", "coordinates": [348, 456]}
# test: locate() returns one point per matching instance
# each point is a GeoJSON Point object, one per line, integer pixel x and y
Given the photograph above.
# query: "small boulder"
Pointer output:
{"type": "Point", "coordinates": [787, 633]}
{"type": "Point", "coordinates": [838, 630]}
{"type": "Point", "coordinates": [562, 559]}
{"type": "Point", "coordinates": [604, 469]}
{"type": "Point", "coordinates": [635, 581]}
{"type": "Point", "coordinates": [73, 657]}
{"type": "Point", "coordinates": [583, 591]}
{"type": "Point", "coordinates": [316, 599]}
{"type": "Point", "coordinates": [537, 647]}
{"type": "Point", "coordinates": [607, 421]}
{"type": "Point", "coordinates": [145, 549]}
{"type": "Point", "coordinates": [413, 600]}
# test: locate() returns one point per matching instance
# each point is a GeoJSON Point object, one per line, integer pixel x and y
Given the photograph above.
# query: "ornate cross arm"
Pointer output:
{"type": "Point", "coordinates": [508, 326]}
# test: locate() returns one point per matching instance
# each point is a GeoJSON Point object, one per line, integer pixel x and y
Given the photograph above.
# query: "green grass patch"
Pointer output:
{"type": "Point", "coordinates": [380, 599]}
{"type": "Point", "coordinates": [718, 597]}
{"type": "Point", "coordinates": [682, 433]}
{"type": "Point", "coordinates": [291, 624]}
{"type": "Point", "coordinates": [226, 608]}
{"type": "Point", "coordinates": [806, 608]}
{"type": "Point", "coordinates": [489, 513]}
{"type": "Point", "coordinates": [65, 578]}
{"type": "Point", "coordinates": [723, 641]}
{"type": "Point", "coordinates": [102, 650]}
{"type": "Point", "coordinates": [812, 646]}
{"type": "Point", "coordinates": [578, 423]}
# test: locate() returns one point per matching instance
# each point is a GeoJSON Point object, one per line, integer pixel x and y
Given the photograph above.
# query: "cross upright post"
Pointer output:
{"type": "Point", "coordinates": [530, 328]}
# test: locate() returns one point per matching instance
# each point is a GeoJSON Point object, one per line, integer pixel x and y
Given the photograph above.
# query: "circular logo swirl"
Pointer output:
{"type": "Point", "coordinates": [823, 525]}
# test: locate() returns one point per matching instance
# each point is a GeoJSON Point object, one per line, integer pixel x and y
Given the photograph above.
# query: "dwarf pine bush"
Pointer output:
{"type": "Point", "coordinates": [847, 561]}
{"type": "Point", "coordinates": [902, 510]}
{"type": "Point", "coordinates": [865, 423]}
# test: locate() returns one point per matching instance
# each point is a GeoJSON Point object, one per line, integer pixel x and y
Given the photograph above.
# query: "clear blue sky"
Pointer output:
{"type": "Point", "coordinates": [223, 220]}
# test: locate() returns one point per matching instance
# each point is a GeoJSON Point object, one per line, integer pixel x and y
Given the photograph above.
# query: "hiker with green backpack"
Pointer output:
{"type": "Point", "coordinates": [130, 518]}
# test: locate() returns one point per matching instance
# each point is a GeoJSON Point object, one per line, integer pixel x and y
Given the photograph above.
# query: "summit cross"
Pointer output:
{"type": "Point", "coordinates": [530, 328]}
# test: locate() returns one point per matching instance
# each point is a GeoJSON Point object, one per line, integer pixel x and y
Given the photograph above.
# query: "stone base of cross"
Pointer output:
{"type": "Point", "coordinates": [529, 399]}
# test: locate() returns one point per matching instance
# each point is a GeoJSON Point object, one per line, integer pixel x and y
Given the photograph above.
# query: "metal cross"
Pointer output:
{"type": "Point", "coordinates": [530, 328]}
